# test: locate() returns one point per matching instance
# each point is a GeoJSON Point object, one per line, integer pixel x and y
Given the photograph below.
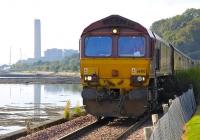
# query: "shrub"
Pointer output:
{"type": "Point", "coordinates": [78, 111]}
{"type": "Point", "coordinates": [191, 76]}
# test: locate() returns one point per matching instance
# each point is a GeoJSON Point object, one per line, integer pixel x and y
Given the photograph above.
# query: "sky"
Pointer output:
{"type": "Point", "coordinates": [62, 21]}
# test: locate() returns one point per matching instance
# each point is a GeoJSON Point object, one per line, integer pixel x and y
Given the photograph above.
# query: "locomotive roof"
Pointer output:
{"type": "Point", "coordinates": [115, 21]}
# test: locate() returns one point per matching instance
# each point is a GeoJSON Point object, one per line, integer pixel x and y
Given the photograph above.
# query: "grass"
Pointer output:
{"type": "Point", "coordinates": [70, 113]}
{"type": "Point", "coordinates": [67, 110]}
{"type": "Point", "coordinates": [78, 111]}
{"type": "Point", "coordinates": [192, 128]}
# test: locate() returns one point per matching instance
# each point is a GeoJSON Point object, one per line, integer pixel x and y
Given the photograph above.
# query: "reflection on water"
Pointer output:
{"type": "Point", "coordinates": [56, 88]}
{"type": "Point", "coordinates": [37, 102]}
{"type": "Point", "coordinates": [7, 129]}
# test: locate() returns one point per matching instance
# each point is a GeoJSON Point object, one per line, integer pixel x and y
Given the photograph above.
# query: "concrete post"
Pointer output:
{"type": "Point", "coordinates": [170, 102]}
{"type": "Point", "coordinates": [165, 108]}
{"type": "Point", "coordinates": [147, 132]}
{"type": "Point", "coordinates": [154, 118]}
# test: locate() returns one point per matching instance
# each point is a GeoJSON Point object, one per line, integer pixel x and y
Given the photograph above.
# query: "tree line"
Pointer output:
{"type": "Point", "coordinates": [67, 64]}
{"type": "Point", "coordinates": [182, 31]}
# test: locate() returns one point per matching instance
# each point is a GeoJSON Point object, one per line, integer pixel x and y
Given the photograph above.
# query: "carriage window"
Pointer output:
{"type": "Point", "coordinates": [98, 46]}
{"type": "Point", "coordinates": [131, 46]}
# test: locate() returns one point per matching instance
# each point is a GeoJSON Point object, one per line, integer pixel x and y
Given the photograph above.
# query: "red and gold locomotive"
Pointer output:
{"type": "Point", "coordinates": [122, 65]}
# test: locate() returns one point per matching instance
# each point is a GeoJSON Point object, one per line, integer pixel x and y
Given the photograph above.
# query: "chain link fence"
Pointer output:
{"type": "Point", "coordinates": [170, 126]}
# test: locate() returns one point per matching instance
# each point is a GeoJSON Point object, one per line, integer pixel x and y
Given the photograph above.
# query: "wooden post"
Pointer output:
{"type": "Point", "coordinates": [165, 108]}
{"type": "Point", "coordinates": [154, 118]}
{"type": "Point", "coordinates": [147, 132]}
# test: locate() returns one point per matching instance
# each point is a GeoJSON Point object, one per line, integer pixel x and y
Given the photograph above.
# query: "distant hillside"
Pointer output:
{"type": "Point", "coordinates": [183, 31]}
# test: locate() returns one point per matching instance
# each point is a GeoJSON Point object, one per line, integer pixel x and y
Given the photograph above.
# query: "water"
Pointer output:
{"type": "Point", "coordinates": [19, 102]}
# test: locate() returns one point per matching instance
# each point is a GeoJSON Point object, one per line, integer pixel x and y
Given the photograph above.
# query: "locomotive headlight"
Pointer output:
{"type": "Point", "coordinates": [115, 31]}
{"type": "Point", "coordinates": [89, 78]}
{"type": "Point", "coordinates": [85, 78]}
{"type": "Point", "coordinates": [93, 77]}
{"type": "Point", "coordinates": [141, 78]}
{"type": "Point", "coordinates": [138, 79]}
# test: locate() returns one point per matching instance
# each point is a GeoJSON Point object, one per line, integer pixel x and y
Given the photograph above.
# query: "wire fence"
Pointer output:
{"type": "Point", "coordinates": [170, 126]}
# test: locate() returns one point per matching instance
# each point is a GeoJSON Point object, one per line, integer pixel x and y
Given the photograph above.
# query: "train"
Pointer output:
{"type": "Point", "coordinates": [126, 70]}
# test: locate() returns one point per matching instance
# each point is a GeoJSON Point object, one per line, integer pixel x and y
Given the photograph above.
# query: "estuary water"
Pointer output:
{"type": "Point", "coordinates": [20, 103]}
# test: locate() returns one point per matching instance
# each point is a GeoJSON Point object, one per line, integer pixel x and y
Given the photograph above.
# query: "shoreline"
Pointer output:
{"type": "Point", "coordinates": [35, 126]}
{"type": "Point", "coordinates": [40, 78]}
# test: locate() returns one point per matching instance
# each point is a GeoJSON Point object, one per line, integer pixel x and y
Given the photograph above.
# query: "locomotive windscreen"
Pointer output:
{"type": "Point", "coordinates": [131, 46]}
{"type": "Point", "coordinates": [100, 46]}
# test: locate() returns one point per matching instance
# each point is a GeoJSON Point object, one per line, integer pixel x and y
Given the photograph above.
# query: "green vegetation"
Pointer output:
{"type": "Point", "coordinates": [182, 31]}
{"type": "Point", "coordinates": [72, 113]}
{"type": "Point", "coordinates": [67, 64]}
{"type": "Point", "coordinates": [67, 110]}
{"type": "Point", "coordinates": [78, 111]}
{"type": "Point", "coordinates": [191, 76]}
{"type": "Point", "coordinates": [192, 127]}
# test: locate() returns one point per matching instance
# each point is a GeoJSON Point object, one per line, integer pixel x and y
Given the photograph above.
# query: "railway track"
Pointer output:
{"type": "Point", "coordinates": [77, 133]}
{"type": "Point", "coordinates": [88, 130]}
{"type": "Point", "coordinates": [132, 128]}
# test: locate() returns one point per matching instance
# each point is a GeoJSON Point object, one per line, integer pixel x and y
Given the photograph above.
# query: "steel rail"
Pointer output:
{"type": "Point", "coordinates": [77, 133]}
{"type": "Point", "coordinates": [132, 128]}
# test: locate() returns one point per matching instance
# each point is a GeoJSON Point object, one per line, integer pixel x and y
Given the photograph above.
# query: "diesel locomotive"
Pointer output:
{"type": "Point", "coordinates": [124, 67]}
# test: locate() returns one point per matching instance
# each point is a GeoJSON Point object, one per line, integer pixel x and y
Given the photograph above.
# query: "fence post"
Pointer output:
{"type": "Point", "coordinates": [170, 102]}
{"type": "Point", "coordinates": [165, 108]}
{"type": "Point", "coordinates": [154, 118]}
{"type": "Point", "coordinates": [147, 132]}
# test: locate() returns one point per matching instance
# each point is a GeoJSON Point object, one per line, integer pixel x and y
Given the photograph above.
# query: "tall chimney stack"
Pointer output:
{"type": "Point", "coordinates": [37, 39]}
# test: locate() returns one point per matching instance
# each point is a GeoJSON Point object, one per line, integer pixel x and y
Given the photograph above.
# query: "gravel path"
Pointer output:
{"type": "Point", "coordinates": [55, 132]}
